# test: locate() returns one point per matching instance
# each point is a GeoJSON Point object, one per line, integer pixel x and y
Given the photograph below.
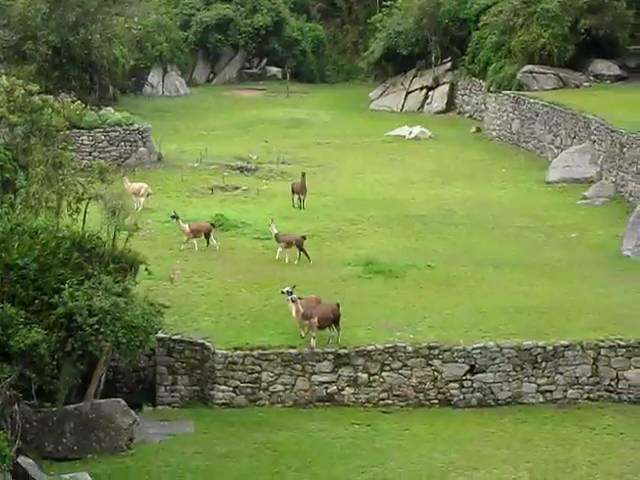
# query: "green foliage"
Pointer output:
{"type": "Point", "coordinates": [6, 457]}
{"type": "Point", "coordinates": [263, 28]}
{"type": "Point", "coordinates": [78, 45]}
{"type": "Point", "coordinates": [411, 31]}
{"type": "Point", "coordinates": [66, 297]}
{"type": "Point", "coordinates": [159, 39]}
{"type": "Point", "coordinates": [37, 173]}
{"type": "Point", "coordinates": [106, 117]}
{"type": "Point", "coordinates": [551, 32]}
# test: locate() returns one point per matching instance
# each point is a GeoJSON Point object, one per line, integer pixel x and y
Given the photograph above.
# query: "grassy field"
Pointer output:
{"type": "Point", "coordinates": [515, 443]}
{"type": "Point", "coordinates": [453, 239]}
{"type": "Point", "coordinates": [618, 104]}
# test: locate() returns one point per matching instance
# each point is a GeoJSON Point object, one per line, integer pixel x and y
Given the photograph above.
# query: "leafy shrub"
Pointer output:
{"type": "Point", "coordinates": [552, 32]}
{"type": "Point", "coordinates": [67, 298]}
{"type": "Point", "coordinates": [5, 452]}
{"type": "Point", "coordinates": [411, 31]}
{"type": "Point", "coordinates": [107, 117]}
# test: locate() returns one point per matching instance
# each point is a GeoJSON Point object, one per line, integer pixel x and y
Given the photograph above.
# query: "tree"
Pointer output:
{"type": "Point", "coordinates": [37, 174]}
{"type": "Point", "coordinates": [83, 46]}
{"type": "Point", "coordinates": [552, 32]}
{"type": "Point", "coordinates": [67, 293]}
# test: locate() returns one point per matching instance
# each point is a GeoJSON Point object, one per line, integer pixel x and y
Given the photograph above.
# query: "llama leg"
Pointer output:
{"type": "Point", "coordinates": [286, 256]}
{"type": "Point", "coordinates": [293, 203]}
{"type": "Point", "coordinates": [304, 200]}
{"type": "Point", "coordinates": [278, 252]}
{"type": "Point", "coordinates": [195, 244]}
{"type": "Point", "coordinates": [312, 342]}
{"type": "Point", "coordinates": [184, 244]}
{"type": "Point", "coordinates": [298, 257]}
{"type": "Point", "coordinates": [215, 242]}
{"type": "Point", "coordinates": [142, 199]}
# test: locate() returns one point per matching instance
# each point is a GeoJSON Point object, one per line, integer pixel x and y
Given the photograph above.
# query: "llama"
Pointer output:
{"type": "Point", "coordinates": [193, 231]}
{"type": "Point", "coordinates": [299, 189]}
{"type": "Point", "coordinates": [321, 317]}
{"type": "Point", "coordinates": [139, 192]}
{"type": "Point", "coordinates": [287, 241]}
{"type": "Point", "coordinates": [308, 303]}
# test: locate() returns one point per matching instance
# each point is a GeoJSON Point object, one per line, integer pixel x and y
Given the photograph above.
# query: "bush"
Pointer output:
{"type": "Point", "coordinates": [6, 458]}
{"type": "Point", "coordinates": [552, 32]}
{"type": "Point", "coordinates": [409, 32]}
{"type": "Point", "coordinates": [68, 298]}
{"type": "Point", "coordinates": [107, 117]}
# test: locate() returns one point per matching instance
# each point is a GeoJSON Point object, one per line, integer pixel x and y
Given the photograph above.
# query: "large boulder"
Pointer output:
{"type": "Point", "coordinates": [631, 241]}
{"type": "Point", "coordinates": [599, 193]}
{"type": "Point", "coordinates": [226, 56]}
{"type": "Point", "coordinates": [606, 70]}
{"type": "Point", "coordinates": [201, 69]}
{"type": "Point", "coordinates": [542, 77]}
{"type": "Point", "coordinates": [273, 73]}
{"type": "Point", "coordinates": [425, 90]}
{"type": "Point", "coordinates": [631, 59]}
{"type": "Point", "coordinates": [577, 164]}
{"type": "Point", "coordinates": [77, 431]}
{"type": "Point", "coordinates": [167, 83]}
{"type": "Point", "coordinates": [229, 73]}
{"type": "Point", "coordinates": [438, 99]}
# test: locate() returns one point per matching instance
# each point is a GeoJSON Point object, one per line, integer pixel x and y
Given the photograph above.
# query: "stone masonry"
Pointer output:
{"type": "Point", "coordinates": [112, 145]}
{"type": "Point", "coordinates": [548, 130]}
{"type": "Point", "coordinates": [398, 375]}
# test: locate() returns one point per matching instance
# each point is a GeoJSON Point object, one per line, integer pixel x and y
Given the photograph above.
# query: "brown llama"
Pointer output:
{"type": "Point", "coordinates": [299, 189]}
{"type": "Point", "coordinates": [193, 231]}
{"type": "Point", "coordinates": [325, 316]}
{"type": "Point", "coordinates": [287, 241]}
{"type": "Point", "coordinates": [308, 302]}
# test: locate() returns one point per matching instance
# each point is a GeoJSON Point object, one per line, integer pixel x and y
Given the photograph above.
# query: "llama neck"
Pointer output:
{"type": "Point", "coordinates": [303, 180]}
{"type": "Point", "coordinates": [274, 232]}
{"type": "Point", "coordinates": [298, 307]}
{"type": "Point", "coordinates": [183, 226]}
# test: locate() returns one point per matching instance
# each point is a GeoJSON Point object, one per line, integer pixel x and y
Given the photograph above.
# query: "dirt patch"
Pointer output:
{"type": "Point", "coordinates": [246, 92]}
{"type": "Point", "coordinates": [227, 188]}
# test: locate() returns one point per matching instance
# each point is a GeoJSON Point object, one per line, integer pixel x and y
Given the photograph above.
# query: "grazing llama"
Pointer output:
{"type": "Point", "coordinates": [139, 192]}
{"type": "Point", "coordinates": [299, 189]}
{"type": "Point", "coordinates": [194, 231]}
{"type": "Point", "coordinates": [325, 316]}
{"type": "Point", "coordinates": [286, 241]}
{"type": "Point", "coordinates": [308, 303]}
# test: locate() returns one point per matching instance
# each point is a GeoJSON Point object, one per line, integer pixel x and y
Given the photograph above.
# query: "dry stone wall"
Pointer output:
{"type": "Point", "coordinates": [548, 130]}
{"type": "Point", "coordinates": [114, 145]}
{"type": "Point", "coordinates": [398, 375]}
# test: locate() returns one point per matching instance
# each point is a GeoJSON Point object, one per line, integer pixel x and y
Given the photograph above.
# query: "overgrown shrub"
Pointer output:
{"type": "Point", "coordinates": [68, 299]}
{"type": "Point", "coordinates": [408, 32]}
{"type": "Point", "coordinates": [6, 458]}
{"type": "Point", "coordinates": [107, 117]}
{"type": "Point", "coordinates": [552, 32]}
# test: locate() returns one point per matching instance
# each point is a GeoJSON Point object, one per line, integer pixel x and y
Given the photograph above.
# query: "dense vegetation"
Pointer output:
{"type": "Point", "coordinates": [67, 291]}
{"type": "Point", "coordinates": [497, 37]}
{"type": "Point", "coordinates": [94, 48]}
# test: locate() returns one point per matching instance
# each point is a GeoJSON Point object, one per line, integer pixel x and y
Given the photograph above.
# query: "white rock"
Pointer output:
{"type": "Point", "coordinates": [631, 241]}
{"type": "Point", "coordinates": [202, 68]}
{"type": "Point", "coordinates": [229, 73]}
{"type": "Point", "coordinates": [606, 70]}
{"type": "Point", "coordinates": [577, 164]}
{"type": "Point", "coordinates": [410, 133]}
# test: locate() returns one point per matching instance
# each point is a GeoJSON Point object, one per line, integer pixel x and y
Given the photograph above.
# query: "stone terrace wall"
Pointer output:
{"type": "Point", "coordinates": [113, 145]}
{"type": "Point", "coordinates": [399, 375]}
{"type": "Point", "coordinates": [470, 98]}
{"type": "Point", "coordinates": [548, 129]}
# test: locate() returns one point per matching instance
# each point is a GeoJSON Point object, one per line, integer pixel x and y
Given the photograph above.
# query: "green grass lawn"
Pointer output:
{"type": "Point", "coordinates": [515, 443]}
{"type": "Point", "coordinates": [618, 104]}
{"type": "Point", "coordinates": [453, 239]}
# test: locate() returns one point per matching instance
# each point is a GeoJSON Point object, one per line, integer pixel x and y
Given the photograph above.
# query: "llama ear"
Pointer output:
{"type": "Point", "coordinates": [293, 287]}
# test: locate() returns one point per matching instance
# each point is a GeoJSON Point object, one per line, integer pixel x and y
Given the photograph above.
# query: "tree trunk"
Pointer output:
{"type": "Point", "coordinates": [98, 373]}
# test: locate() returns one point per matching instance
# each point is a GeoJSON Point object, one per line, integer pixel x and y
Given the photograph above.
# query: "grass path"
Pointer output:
{"type": "Point", "coordinates": [454, 239]}
{"type": "Point", "coordinates": [515, 443]}
{"type": "Point", "coordinates": [618, 104]}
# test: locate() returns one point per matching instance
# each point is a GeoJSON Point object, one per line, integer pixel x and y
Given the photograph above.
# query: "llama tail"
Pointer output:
{"type": "Point", "coordinates": [213, 225]}
{"type": "Point", "coordinates": [304, 237]}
